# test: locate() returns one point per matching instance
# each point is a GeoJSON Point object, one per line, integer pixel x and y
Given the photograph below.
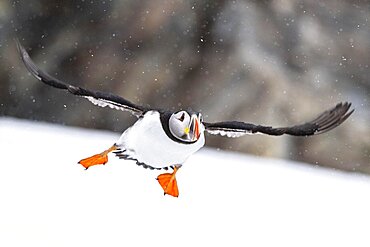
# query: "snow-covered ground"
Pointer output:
{"type": "Point", "coordinates": [226, 199]}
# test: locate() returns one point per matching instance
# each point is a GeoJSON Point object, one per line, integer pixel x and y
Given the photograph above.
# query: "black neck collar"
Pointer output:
{"type": "Point", "coordinates": [165, 118]}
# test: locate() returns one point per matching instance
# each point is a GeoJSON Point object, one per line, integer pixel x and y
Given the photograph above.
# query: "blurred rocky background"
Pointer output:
{"type": "Point", "coordinates": [275, 62]}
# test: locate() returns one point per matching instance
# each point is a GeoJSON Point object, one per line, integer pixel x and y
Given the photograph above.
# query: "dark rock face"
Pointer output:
{"type": "Point", "coordinates": [269, 62]}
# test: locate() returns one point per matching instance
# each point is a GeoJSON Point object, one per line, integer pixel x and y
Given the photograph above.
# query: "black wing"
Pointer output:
{"type": "Point", "coordinates": [98, 98]}
{"type": "Point", "coordinates": [324, 122]}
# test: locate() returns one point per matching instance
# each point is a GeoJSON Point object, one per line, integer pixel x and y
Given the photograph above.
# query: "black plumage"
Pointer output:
{"type": "Point", "coordinates": [114, 101]}
{"type": "Point", "coordinates": [323, 123]}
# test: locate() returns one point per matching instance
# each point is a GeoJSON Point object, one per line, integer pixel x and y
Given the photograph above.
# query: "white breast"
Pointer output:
{"type": "Point", "coordinates": [147, 142]}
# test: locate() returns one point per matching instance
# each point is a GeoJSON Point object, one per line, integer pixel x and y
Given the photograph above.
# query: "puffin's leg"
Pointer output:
{"type": "Point", "coordinates": [97, 159]}
{"type": "Point", "coordinates": [168, 182]}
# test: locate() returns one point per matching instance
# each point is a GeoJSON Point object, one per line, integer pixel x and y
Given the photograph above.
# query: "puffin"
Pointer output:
{"type": "Point", "coordinates": [163, 140]}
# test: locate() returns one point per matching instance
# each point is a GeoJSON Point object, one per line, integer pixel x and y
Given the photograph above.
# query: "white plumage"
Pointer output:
{"type": "Point", "coordinates": [228, 133]}
{"type": "Point", "coordinates": [147, 142]}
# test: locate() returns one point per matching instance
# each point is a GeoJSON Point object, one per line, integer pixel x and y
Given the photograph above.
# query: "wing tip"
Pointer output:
{"type": "Point", "coordinates": [22, 51]}
{"type": "Point", "coordinates": [27, 61]}
{"type": "Point", "coordinates": [334, 117]}
{"type": "Point", "coordinates": [18, 44]}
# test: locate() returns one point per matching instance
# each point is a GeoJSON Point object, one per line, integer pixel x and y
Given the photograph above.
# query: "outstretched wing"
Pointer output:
{"type": "Point", "coordinates": [98, 98]}
{"type": "Point", "coordinates": [324, 122]}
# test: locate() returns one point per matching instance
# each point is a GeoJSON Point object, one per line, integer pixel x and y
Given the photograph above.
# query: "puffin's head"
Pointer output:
{"type": "Point", "coordinates": [186, 127]}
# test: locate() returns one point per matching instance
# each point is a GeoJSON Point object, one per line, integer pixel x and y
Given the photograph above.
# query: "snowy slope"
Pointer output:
{"type": "Point", "coordinates": [226, 199]}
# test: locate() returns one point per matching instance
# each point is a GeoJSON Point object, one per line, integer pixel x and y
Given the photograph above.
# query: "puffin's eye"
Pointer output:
{"type": "Point", "coordinates": [182, 117]}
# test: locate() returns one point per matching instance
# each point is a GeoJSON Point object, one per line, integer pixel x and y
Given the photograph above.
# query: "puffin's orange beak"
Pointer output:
{"type": "Point", "coordinates": [195, 128]}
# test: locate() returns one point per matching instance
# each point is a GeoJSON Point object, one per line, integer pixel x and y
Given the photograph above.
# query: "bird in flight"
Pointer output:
{"type": "Point", "coordinates": [163, 140]}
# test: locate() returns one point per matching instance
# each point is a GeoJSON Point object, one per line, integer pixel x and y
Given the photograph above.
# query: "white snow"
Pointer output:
{"type": "Point", "coordinates": [226, 199]}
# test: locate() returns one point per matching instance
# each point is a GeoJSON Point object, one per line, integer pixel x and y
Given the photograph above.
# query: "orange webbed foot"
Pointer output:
{"type": "Point", "coordinates": [97, 159]}
{"type": "Point", "coordinates": [169, 183]}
